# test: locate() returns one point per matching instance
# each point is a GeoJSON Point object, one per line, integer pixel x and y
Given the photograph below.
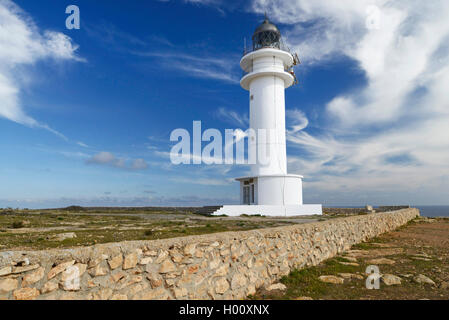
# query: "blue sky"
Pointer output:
{"type": "Point", "coordinates": [86, 115]}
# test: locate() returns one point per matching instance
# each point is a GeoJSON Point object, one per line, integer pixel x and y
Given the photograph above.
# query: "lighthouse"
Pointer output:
{"type": "Point", "coordinates": [267, 73]}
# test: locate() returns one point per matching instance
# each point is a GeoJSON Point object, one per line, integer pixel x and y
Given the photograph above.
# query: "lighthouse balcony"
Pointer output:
{"type": "Point", "coordinates": [267, 62]}
{"type": "Point", "coordinates": [289, 78]}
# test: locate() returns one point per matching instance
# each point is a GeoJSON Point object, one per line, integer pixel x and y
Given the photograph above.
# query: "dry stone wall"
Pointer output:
{"type": "Point", "coordinates": [227, 265]}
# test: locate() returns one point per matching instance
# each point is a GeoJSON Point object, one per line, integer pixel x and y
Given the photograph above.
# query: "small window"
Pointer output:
{"type": "Point", "coordinates": [252, 193]}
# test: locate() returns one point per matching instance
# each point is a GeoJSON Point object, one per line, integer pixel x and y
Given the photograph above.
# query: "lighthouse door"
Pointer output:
{"type": "Point", "coordinates": [248, 194]}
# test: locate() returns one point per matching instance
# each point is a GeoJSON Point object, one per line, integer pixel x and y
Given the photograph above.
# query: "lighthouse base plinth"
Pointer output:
{"type": "Point", "coordinates": [272, 211]}
{"type": "Point", "coordinates": [276, 195]}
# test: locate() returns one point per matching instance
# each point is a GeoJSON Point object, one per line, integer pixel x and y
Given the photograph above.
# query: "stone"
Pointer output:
{"type": "Point", "coordinates": [381, 245]}
{"type": "Point", "coordinates": [157, 294]}
{"type": "Point", "coordinates": [130, 261]}
{"type": "Point", "coordinates": [70, 296]}
{"type": "Point", "coordinates": [50, 286]}
{"type": "Point", "coordinates": [444, 285]}
{"type": "Point", "coordinates": [133, 280]}
{"type": "Point", "coordinates": [422, 279]}
{"type": "Point", "coordinates": [215, 244]}
{"type": "Point", "coordinates": [222, 271]}
{"type": "Point", "coordinates": [33, 277]}
{"type": "Point", "coordinates": [170, 282]}
{"type": "Point", "coordinates": [353, 264]}
{"type": "Point", "coordinates": [273, 270]}
{"type": "Point", "coordinates": [135, 289]}
{"type": "Point", "coordinates": [102, 294]}
{"type": "Point", "coordinates": [118, 276]}
{"type": "Point", "coordinates": [180, 292]}
{"type": "Point", "coordinates": [193, 269]}
{"type": "Point", "coordinates": [386, 252]}
{"type": "Point", "coordinates": [357, 253]}
{"type": "Point", "coordinates": [167, 266]}
{"type": "Point", "coordinates": [59, 268]}
{"type": "Point", "coordinates": [375, 252]}
{"type": "Point", "coordinates": [421, 258]}
{"type": "Point", "coordinates": [177, 257]}
{"type": "Point", "coordinates": [116, 262]}
{"type": "Point", "coordinates": [145, 261]}
{"type": "Point", "coordinates": [150, 253]}
{"type": "Point", "coordinates": [390, 279]}
{"type": "Point", "coordinates": [119, 297]}
{"type": "Point", "coordinates": [22, 262]}
{"type": "Point", "coordinates": [155, 279]}
{"type": "Point", "coordinates": [331, 279]}
{"type": "Point", "coordinates": [422, 255]}
{"type": "Point", "coordinates": [25, 268]}
{"type": "Point", "coordinates": [162, 256]}
{"type": "Point", "coordinates": [214, 264]}
{"type": "Point", "coordinates": [276, 286]}
{"type": "Point", "coordinates": [221, 285]}
{"type": "Point", "coordinates": [95, 262]}
{"type": "Point", "coordinates": [303, 298]}
{"type": "Point", "coordinates": [7, 285]}
{"type": "Point", "coordinates": [381, 261]}
{"type": "Point", "coordinates": [199, 253]}
{"type": "Point", "coordinates": [238, 281]}
{"type": "Point", "coordinates": [350, 259]}
{"type": "Point", "coordinates": [26, 294]}
{"type": "Point", "coordinates": [62, 236]}
{"type": "Point", "coordinates": [5, 271]}
{"type": "Point", "coordinates": [190, 249]}
{"type": "Point", "coordinates": [98, 271]}
{"type": "Point", "coordinates": [172, 275]}
{"type": "Point", "coordinates": [351, 276]}
{"type": "Point", "coordinates": [70, 278]}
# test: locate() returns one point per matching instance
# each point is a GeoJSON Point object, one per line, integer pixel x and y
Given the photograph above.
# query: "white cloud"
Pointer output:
{"type": "Point", "coordinates": [21, 45]}
{"type": "Point", "coordinates": [139, 164]}
{"type": "Point", "coordinates": [109, 159]}
{"type": "Point", "coordinates": [217, 68]}
{"type": "Point", "coordinates": [103, 158]}
{"type": "Point", "coordinates": [390, 136]}
{"type": "Point", "coordinates": [202, 181]}
{"type": "Point", "coordinates": [232, 117]}
{"type": "Point", "coordinates": [82, 144]}
{"type": "Point", "coordinates": [298, 120]}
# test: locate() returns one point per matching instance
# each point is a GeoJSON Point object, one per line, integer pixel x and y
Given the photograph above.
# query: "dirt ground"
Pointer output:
{"type": "Point", "coordinates": [421, 248]}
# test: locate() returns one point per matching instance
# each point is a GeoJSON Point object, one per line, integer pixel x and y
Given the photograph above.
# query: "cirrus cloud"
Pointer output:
{"type": "Point", "coordinates": [22, 44]}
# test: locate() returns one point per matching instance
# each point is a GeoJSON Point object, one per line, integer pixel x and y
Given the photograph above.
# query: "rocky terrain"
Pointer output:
{"type": "Point", "coordinates": [413, 262]}
{"type": "Point", "coordinates": [77, 226]}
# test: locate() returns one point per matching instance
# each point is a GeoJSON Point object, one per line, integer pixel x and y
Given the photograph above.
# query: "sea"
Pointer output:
{"type": "Point", "coordinates": [433, 211]}
{"type": "Point", "coordinates": [425, 211]}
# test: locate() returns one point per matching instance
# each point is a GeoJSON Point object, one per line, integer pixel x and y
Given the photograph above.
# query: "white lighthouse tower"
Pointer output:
{"type": "Point", "coordinates": [269, 190]}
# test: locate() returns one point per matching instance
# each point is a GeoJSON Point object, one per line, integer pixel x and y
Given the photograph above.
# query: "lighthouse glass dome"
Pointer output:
{"type": "Point", "coordinates": [267, 35]}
